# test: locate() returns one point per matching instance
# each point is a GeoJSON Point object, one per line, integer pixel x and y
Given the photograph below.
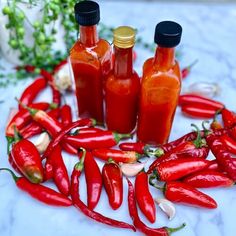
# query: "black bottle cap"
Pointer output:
{"type": "Point", "coordinates": [168, 34]}
{"type": "Point", "coordinates": [87, 13]}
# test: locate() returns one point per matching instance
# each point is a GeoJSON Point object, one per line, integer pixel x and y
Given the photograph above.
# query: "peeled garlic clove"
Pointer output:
{"type": "Point", "coordinates": [166, 206]}
{"type": "Point", "coordinates": [131, 170]}
{"type": "Point", "coordinates": [42, 142]}
{"type": "Point", "coordinates": [62, 78]}
{"type": "Point", "coordinates": [205, 89]}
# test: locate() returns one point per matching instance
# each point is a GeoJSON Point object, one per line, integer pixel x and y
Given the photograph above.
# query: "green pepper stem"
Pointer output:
{"type": "Point", "coordinates": [206, 131]}
{"type": "Point", "coordinates": [10, 140]}
{"type": "Point", "coordinates": [12, 173]}
{"type": "Point", "coordinates": [32, 111]}
{"type": "Point", "coordinates": [172, 230]}
{"type": "Point", "coordinates": [151, 182]}
{"type": "Point", "coordinates": [17, 136]}
{"type": "Point", "coordinates": [192, 64]}
{"type": "Point", "coordinates": [80, 165]}
{"type": "Point", "coordinates": [118, 136]}
{"type": "Point", "coordinates": [198, 142]}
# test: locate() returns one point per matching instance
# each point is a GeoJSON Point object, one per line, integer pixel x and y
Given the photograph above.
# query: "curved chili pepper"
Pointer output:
{"type": "Point", "coordinates": [229, 118]}
{"type": "Point", "coordinates": [133, 211]}
{"type": "Point", "coordinates": [198, 111]}
{"type": "Point", "coordinates": [66, 115]}
{"type": "Point", "coordinates": [193, 100]}
{"type": "Point", "coordinates": [34, 128]}
{"type": "Point", "coordinates": [186, 71]}
{"type": "Point", "coordinates": [185, 194]}
{"type": "Point", "coordinates": [142, 148]}
{"type": "Point", "coordinates": [176, 169]}
{"type": "Point", "coordinates": [208, 179]}
{"type": "Point", "coordinates": [223, 156]}
{"type": "Point", "coordinates": [229, 143]}
{"type": "Point", "coordinates": [40, 192]}
{"type": "Point", "coordinates": [62, 134]}
{"type": "Point", "coordinates": [113, 183]}
{"type": "Point", "coordinates": [50, 79]}
{"type": "Point", "coordinates": [31, 92]}
{"type": "Point", "coordinates": [144, 198]}
{"type": "Point", "coordinates": [83, 208]}
{"type": "Point", "coordinates": [214, 166]}
{"type": "Point", "coordinates": [196, 149]}
{"type": "Point", "coordinates": [48, 170]}
{"type": "Point", "coordinates": [116, 155]}
{"type": "Point", "coordinates": [56, 95]}
{"type": "Point", "coordinates": [27, 159]}
{"type": "Point", "coordinates": [60, 175]}
{"type": "Point", "coordinates": [103, 139]}
{"type": "Point", "coordinates": [93, 178]}
{"type": "Point", "coordinates": [23, 117]}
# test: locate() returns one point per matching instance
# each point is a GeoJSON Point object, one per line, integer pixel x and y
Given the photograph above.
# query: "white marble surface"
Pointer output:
{"type": "Point", "coordinates": [208, 34]}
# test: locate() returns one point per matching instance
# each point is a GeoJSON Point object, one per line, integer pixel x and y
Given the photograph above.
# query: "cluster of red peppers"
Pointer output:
{"type": "Point", "coordinates": [181, 164]}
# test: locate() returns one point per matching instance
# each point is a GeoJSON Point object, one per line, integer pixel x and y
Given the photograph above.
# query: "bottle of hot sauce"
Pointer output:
{"type": "Point", "coordinates": [91, 61]}
{"type": "Point", "coordinates": [123, 84]}
{"type": "Point", "coordinates": [160, 86]}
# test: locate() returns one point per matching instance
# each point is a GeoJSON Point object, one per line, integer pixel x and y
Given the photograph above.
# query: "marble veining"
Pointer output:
{"type": "Point", "coordinates": [208, 35]}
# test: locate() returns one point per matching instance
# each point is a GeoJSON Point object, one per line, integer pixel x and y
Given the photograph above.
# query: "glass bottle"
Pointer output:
{"type": "Point", "coordinates": [123, 84]}
{"type": "Point", "coordinates": [160, 86]}
{"type": "Point", "coordinates": [90, 59]}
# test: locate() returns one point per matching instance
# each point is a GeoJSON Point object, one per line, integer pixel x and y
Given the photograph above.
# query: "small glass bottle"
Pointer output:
{"type": "Point", "coordinates": [123, 84]}
{"type": "Point", "coordinates": [160, 86]}
{"type": "Point", "coordinates": [90, 59]}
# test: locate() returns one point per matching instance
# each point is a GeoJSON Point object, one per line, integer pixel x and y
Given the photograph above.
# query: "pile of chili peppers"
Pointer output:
{"type": "Point", "coordinates": [179, 168]}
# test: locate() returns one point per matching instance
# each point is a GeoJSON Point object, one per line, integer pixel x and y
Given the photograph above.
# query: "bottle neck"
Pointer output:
{"type": "Point", "coordinates": [164, 58]}
{"type": "Point", "coordinates": [123, 64]}
{"type": "Point", "coordinates": [88, 35]}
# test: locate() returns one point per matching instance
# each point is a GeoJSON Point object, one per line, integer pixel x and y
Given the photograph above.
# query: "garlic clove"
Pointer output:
{"type": "Point", "coordinates": [62, 78]}
{"type": "Point", "coordinates": [167, 207]}
{"type": "Point", "coordinates": [131, 170]}
{"type": "Point", "coordinates": [42, 142]}
{"type": "Point", "coordinates": [204, 89]}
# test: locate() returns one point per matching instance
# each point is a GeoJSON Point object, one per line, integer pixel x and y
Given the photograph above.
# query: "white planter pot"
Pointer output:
{"type": "Point", "coordinates": [33, 13]}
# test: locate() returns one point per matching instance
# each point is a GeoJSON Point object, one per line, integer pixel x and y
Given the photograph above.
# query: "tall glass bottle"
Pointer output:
{"type": "Point", "coordinates": [91, 61]}
{"type": "Point", "coordinates": [160, 86]}
{"type": "Point", "coordinates": [123, 84]}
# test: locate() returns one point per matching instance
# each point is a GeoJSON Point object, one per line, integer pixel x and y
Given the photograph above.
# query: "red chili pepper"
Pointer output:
{"type": "Point", "coordinates": [186, 71]}
{"type": "Point", "coordinates": [34, 128]}
{"type": "Point", "coordinates": [229, 118]}
{"type": "Point", "coordinates": [142, 148]}
{"type": "Point", "coordinates": [176, 169]}
{"type": "Point", "coordinates": [56, 95]}
{"type": "Point", "coordinates": [66, 115]}
{"type": "Point", "coordinates": [232, 132]}
{"type": "Point", "coordinates": [50, 79]}
{"type": "Point", "coordinates": [133, 211]}
{"type": "Point", "coordinates": [223, 156]}
{"type": "Point", "coordinates": [23, 117]}
{"type": "Point", "coordinates": [191, 100]}
{"type": "Point", "coordinates": [215, 125]}
{"type": "Point", "coordinates": [62, 134]}
{"type": "Point", "coordinates": [93, 178]}
{"type": "Point", "coordinates": [60, 175]}
{"type": "Point", "coordinates": [113, 183]}
{"type": "Point", "coordinates": [196, 149]}
{"type": "Point", "coordinates": [83, 208]}
{"type": "Point", "coordinates": [48, 170]}
{"type": "Point", "coordinates": [214, 166]}
{"type": "Point", "coordinates": [31, 92]}
{"type": "Point", "coordinates": [40, 192]}
{"type": "Point", "coordinates": [185, 194]}
{"type": "Point", "coordinates": [103, 139]}
{"type": "Point", "coordinates": [13, 164]}
{"type": "Point", "coordinates": [116, 155]}
{"type": "Point", "coordinates": [229, 143]}
{"type": "Point", "coordinates": [88, 130]}
{"type": "Point", "coordinates": [144, 197]}
{"type": "Point", "coordinates": [198, 111]}
{"type": "Point", "coordinates": [208, 179]}
{"type": "Point", "coordinates": [27, 159]}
